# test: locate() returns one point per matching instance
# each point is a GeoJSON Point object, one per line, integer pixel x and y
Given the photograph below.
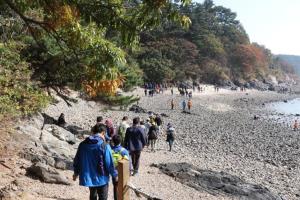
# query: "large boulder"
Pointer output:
{"type": "Point", "coordinates": [47, 159]}
{"type": "Point", "coordinates": [46, 174]}
{"type": "Point", "coordinates": [78, 131]}
{"type": "Point", "coordinates": [29, 130]}
{"type": "Point", "coordinates": [37, 121]}
{"type": "Point", "coordinates": [56, 146]}
{"type": "Point", "coordinates": [61, 133]}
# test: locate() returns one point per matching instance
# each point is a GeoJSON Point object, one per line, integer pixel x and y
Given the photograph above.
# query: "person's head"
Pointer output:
{"type": "Point", "coordinates": [136, 121]}
{"type": "Point", "coordinates": [116, 139]}
{"type": "Point", "coordinates": [125, 118]}
{"type": "Point", "coordinates": [100, 128]}
{"type": "Point", "coordinates": [99, 119]}
{"type": "Point", "coordinates": [109, 123]}
{"type": "Point", "coordinates": [169, 125]}
{"type": "Point", "coordinates": [142, 122]}
{"type": "Point", "coordinates": [148, 120]}
{"type": "Point", "coordinates": [62, 115]}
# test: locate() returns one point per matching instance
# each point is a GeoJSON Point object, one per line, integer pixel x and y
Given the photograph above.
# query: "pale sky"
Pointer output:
{"type": "Point", "coordinates": [272, 23]}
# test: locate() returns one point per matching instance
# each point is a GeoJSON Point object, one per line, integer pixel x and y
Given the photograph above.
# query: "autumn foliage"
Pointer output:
{"type": "Point", "coordinates": [249, 58]}
{"type": "Point", "coordinates": [60, 15]}
{"type": "Point", "coordinates": [102, 87]}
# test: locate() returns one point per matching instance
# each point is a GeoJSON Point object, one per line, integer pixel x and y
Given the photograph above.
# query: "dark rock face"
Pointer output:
{"type": "Point", "coordinates": [259, 85]}
{"type": "Point", "coordinates": [227, 83]}
{"type": "Point", "coordinates": [216, 182]}
{"type": "Point", "coordinates": [46, 175]}
{"type": "Point", "coordinates": [137, 109]}
{"type": "Point", "coordinates": [76, 130]}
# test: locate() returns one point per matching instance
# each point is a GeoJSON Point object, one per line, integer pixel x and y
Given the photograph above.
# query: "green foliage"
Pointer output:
{"type": "Point", "coordinates": [119, 100]}
{"type": "Point", "coordinates": [213, 73]}
{"type": "Point", "coordinates": [18, 95]}
{"type": "Point", "coordinates": [157, 70]}
{"type": "Point", "coordinates": [162, 59]}
{"type": "Point", "coordinates": [132, 73]}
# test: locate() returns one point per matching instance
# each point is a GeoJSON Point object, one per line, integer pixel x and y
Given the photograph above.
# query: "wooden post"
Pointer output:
{"type": "Point", "coordinates": [123, 179]}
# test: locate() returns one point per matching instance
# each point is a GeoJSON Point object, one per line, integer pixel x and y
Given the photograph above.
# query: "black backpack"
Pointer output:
{"type": "Point", "coordinates": [152, 135]}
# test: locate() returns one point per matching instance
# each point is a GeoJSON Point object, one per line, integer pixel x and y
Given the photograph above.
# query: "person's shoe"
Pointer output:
{"type": "Point", "coordinates": [131, 172]}
{"type": "Point", "coordinates": [135, 173]}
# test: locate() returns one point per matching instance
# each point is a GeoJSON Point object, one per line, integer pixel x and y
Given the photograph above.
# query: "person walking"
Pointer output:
{"type": "Point", "coordinates": [99, 121]}
{"type": "Point", "coordinates": [93, 163]}
{"type": "Point", "coordinates": [172, 104]}
{"type": "Point", "coordinates": [152, 136]}
{"type": "Point", "coordinates": [189, 104]}
{"type": "Point", "coordinates": [110, 128]}
{"type": "Point", "coordinates": [135, 142]}
{"type": "Point", "coordinates": [158, 122]}
{"type": "Point", "coordinates": [183, 105]}
{"type": "Point", "coordinates": [295, 125]}
{"type": "Point", "coordinates": [186, 93]}
{"type": "Point", "coordinates": [147, 126]}
{"type": "Point", "coordinates": [170, 135]}
{"type": "Point", "coordinates": [122, 128]}
{"type": "Point", "coordinates": [144, 128]}
{"type": "Point", "coordinates": [118, 153]}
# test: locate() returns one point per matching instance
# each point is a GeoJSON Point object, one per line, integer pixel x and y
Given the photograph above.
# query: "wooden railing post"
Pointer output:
{"type": "Point", "coordinates": [123, 179]}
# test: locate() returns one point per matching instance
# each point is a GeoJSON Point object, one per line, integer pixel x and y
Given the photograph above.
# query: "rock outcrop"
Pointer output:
{"type": "Point", "coordinates": [46, 174]}
{"type": "Point", "coordinates": [216, 182]}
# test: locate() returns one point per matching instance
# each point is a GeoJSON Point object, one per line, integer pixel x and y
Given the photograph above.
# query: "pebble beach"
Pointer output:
{"type": "Point", "coordinates": [219, 136]}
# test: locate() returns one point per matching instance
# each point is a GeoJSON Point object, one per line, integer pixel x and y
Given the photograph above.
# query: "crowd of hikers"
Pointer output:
{"type": "Point", "coordinates": [98, 155]}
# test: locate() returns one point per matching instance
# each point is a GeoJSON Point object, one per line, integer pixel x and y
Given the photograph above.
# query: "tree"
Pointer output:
{"type": "Point", "coordinates": [170, 55]}
{"type": "Point", "coordinates": [74, 35]}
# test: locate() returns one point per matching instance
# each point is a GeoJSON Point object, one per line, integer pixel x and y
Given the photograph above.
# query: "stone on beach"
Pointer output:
{"type": "Point", "coordinates": [45, 174]}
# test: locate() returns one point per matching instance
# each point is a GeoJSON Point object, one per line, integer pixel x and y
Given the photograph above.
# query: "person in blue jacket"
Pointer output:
{"type": "Point", "coordinates": [93, 163]}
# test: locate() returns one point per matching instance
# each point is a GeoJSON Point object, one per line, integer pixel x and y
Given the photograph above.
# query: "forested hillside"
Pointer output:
{"type": "Point", "coordinates": [292, 60]}
{"type": "Point", "coordinates": [214, 48]}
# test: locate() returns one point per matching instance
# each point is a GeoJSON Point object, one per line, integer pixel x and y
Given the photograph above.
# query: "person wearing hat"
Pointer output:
{"type": "Point", "coordinates": [170, 135]}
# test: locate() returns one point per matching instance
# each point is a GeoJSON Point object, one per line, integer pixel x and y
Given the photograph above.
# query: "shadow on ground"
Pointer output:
{"type": "Point", "coordinates": [216, 183]}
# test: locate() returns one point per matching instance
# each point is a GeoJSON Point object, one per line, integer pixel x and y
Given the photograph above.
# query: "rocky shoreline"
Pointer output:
{"type": "Point", "coordinates": [220, 135]}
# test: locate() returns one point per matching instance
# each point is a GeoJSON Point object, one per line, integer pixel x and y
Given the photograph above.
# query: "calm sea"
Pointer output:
{"type": "Point", "coordinates": [292, 107]}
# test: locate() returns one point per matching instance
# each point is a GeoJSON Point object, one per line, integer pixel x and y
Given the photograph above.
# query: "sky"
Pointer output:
{"type": "Point", "coordinates": [272, 23]}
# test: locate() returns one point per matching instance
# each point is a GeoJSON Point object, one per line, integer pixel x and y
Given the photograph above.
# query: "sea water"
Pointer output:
{"type": "Point", "coordinates": [291, 107]}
